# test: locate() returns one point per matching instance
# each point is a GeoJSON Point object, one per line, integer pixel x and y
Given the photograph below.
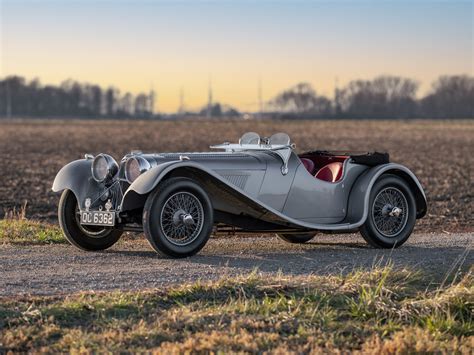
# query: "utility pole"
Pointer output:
{"type": "Point", "coordinates": [152, 100]}
{"type": "Point", "coordinates": [181, 108]}
{"type": "Point", "coordinates": [209, 99]}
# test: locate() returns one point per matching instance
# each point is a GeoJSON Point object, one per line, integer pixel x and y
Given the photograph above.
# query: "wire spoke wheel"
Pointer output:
{"type": "Point", "coordinates": [390, 212]}
{"type": "Point", "coordinates": [182, 218]}
{"type": "Point", "coordinates": [178, 217]}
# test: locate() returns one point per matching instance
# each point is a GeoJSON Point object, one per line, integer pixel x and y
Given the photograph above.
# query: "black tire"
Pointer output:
{"type": "Point", "coordinates": [164, 213]}
{"type": "Point", "coordinates": [381, 229]}
{"type": "Point", "coordinates": [297, 238]}
{"type": "Point", "coordinates": [83, 237]}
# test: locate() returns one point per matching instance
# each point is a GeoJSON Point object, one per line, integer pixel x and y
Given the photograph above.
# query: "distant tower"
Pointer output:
{"type": "Point", "coordinates": [337, 98]}
{"type": "Point", "coordinates": [151, 101]}
{"type": "Point", "coordinates": [181, 108]}
{"type": "Point", "coordinates": [209, 99]}
{"type": "Point", "coordinates": [260, 97]}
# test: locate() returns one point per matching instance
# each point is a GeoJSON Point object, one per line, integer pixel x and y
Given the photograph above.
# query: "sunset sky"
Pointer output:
{"type": "Point", "coordinates": [134, 45]}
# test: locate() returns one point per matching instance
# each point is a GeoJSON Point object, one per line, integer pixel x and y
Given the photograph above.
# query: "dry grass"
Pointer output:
{"type": "Point", "coordinates": [381, 311]}
{"type": "Point", "coordinates": [439, 152]}
{"type": "Point", "coordinates": [16, 229]}
{"type": "Point", "coordinates": [23, 232]}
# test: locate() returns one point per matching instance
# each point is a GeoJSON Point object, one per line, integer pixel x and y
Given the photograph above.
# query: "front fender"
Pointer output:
{"type": "Point", "coordinates": [224, 195]}
{"type": "Point", "coordinates": [360, 194]}
{"type": "Point", "coordinates": [145, 183]}
{"type": "Point", "coordinates": [77, 177]}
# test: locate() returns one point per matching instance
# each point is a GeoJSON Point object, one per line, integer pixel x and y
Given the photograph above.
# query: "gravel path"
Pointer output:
{"type": "Point", "coordinates": [132, 264]}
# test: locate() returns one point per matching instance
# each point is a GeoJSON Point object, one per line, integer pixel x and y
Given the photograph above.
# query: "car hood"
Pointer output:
{"type": "Point", "coordinates": [212, 160]}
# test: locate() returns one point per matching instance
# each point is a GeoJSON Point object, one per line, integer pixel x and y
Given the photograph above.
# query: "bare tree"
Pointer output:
{"type": "Point", "coordinates": [451, 97]}
{"type": "Point", "coordinates": [126, 105]}
{"type": "Point", "coordinates": [111, 102]}
{"type": "Point", "coordinates": [142, 105]}
{"type": "Point", "coordinates": [383, 97]}
{"type": "Point", "coordinates": [301, 99]}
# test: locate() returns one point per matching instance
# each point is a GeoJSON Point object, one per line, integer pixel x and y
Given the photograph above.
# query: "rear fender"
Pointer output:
{"type": "Point", "coordinates": [360, 194]}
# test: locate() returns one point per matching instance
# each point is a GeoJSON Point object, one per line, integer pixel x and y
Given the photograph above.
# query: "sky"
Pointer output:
{"type": "Point", "coordinates": [182, 45]}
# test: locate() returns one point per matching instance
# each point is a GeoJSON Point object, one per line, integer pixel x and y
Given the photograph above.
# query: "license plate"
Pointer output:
{"type": "Point", "coordinates": [98, 218]}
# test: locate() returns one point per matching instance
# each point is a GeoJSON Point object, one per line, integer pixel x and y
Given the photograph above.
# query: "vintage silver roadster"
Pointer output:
{"type": "Point", "coordinates": [255, 185]}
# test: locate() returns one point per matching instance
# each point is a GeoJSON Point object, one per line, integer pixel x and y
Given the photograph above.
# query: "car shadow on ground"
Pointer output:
{"type": "Point", "coordinates": [225, 252]}
{"type": "Point", "coordinates": [322, 258]}
{"type": "Point", "coordinates": [435, 259]}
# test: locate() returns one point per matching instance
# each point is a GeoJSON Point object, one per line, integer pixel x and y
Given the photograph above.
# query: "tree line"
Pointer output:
{"type": "Point", "coordinates": [383, 97]}
{"type": "Point", "coordinates": [20, 98]}
{"type": "Point", "coordinates": [388, 97]}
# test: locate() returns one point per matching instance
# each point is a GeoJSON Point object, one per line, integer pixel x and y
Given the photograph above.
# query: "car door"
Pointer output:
{"type": "Point", "coordinates": [317, 201]}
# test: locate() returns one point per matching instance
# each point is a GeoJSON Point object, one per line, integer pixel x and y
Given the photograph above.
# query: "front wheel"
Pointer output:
{"type": "Point", "coordinates": [392, 213]}
{"type": "Point", "coordinates": [178, 218]}
{"type": "Point", "coordinates": [297, 238]}
{"type": "Point", "coordinates": [83, 237]}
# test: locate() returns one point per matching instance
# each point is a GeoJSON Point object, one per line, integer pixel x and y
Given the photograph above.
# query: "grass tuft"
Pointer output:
{"type": "Point", "coordinates": [23, 231]}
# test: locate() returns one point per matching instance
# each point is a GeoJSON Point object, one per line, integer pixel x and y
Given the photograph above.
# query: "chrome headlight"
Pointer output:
{"type": "Point", "coordinates": [104, 167]}
{"type": "Point", "coordinates": [134, 167]}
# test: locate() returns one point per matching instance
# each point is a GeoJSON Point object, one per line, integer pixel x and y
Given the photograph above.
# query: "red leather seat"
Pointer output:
{"type": "Point", "coordinates": [308, 164]}
{"type": "Point", "coordinates": [331, 172]}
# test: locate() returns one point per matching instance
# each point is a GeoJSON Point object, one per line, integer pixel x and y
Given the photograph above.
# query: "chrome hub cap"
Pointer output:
{"type": "Point", "coordinates": [389, 212]}
{"type": "Point", "coordinates": [182, 218]}
{"type": "Point", "coordinates": [395, 212]}
{"type": "Point", "coordinates": [187, 219]}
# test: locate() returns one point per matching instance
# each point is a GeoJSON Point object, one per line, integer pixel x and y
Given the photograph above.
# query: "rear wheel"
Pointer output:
{"type": "Point", "coordinates": [297, 238]}
{"type": "Point", "coordinates": [83, 237]}
{"type": "Point", "coordinates": [178, 218]}
{"type": "Point", "coordinates": [392, 213]}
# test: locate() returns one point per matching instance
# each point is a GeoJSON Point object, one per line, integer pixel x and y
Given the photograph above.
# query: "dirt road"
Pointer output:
{"type": "Point", "coordinates": [132, 264]}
